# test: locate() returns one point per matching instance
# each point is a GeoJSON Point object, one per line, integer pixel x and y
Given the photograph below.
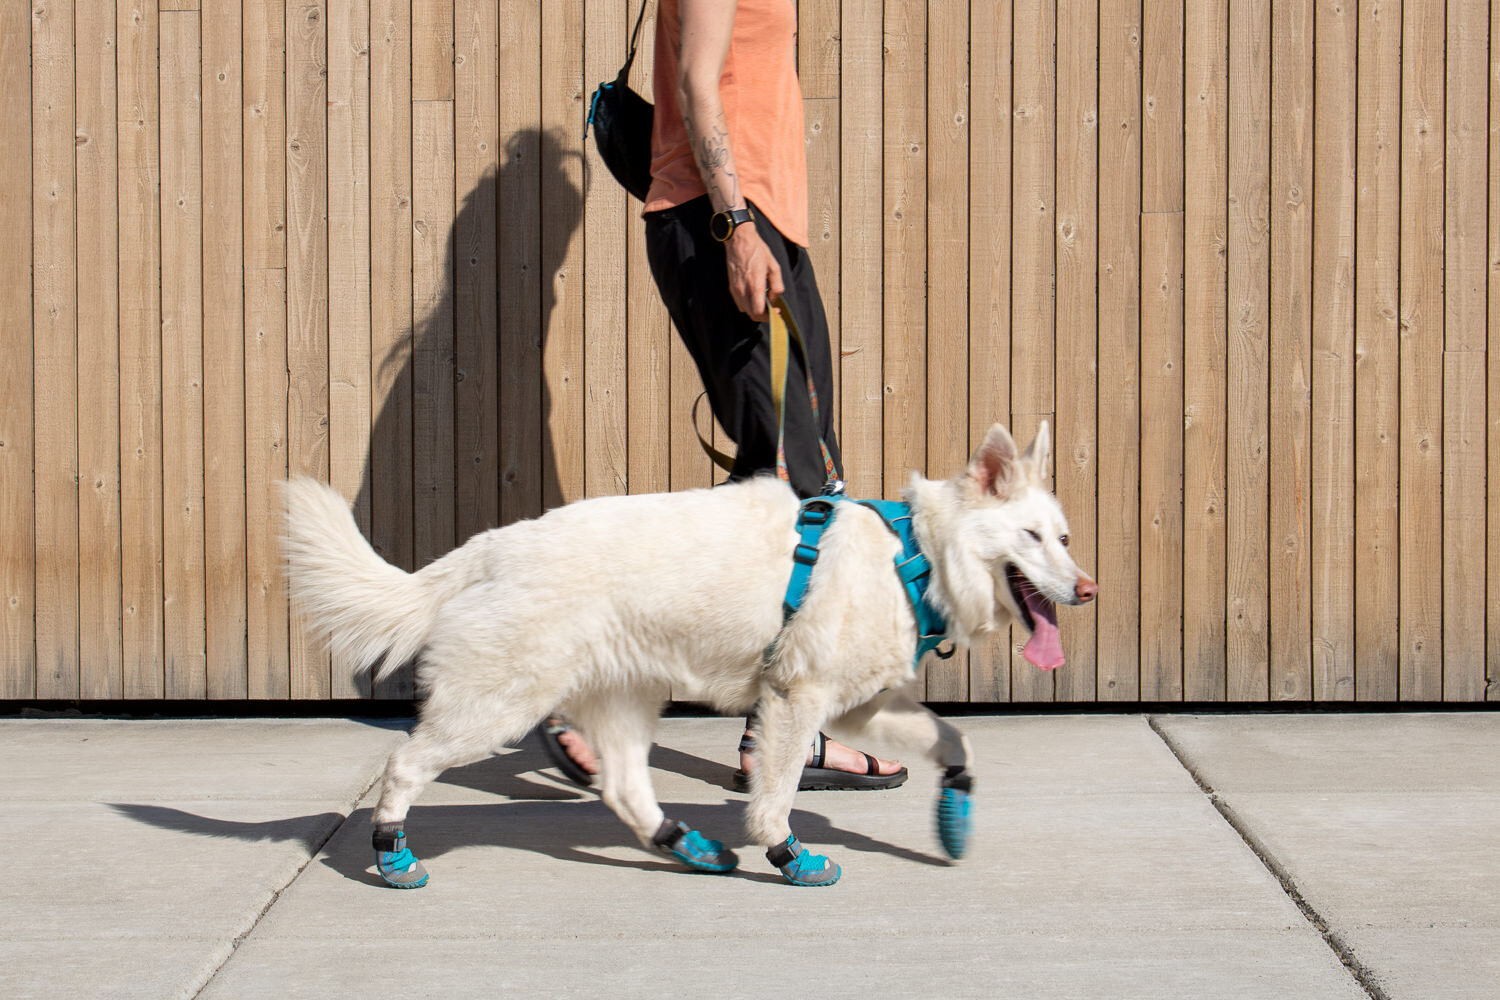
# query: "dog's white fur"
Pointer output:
{"type": "Point", "coordinates": [604, 605]}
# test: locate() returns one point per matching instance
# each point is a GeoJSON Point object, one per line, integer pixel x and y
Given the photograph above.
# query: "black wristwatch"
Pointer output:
{"type": "Point", "coordinates": [723, 224]}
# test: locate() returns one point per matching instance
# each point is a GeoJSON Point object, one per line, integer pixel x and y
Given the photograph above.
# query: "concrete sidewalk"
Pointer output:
{"type": "Point", "coordinates": [1255, 856]}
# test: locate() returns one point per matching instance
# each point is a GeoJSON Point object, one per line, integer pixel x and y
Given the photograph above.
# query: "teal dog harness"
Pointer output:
{"type": "Point", "coordinates": [915, 572]}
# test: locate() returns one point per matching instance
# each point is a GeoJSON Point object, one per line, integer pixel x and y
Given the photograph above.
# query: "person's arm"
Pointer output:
{"type": "Point", "coordinates": [707, 26]}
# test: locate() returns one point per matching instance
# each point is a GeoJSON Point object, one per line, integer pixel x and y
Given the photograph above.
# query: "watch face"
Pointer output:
{"type": "Point", "coordinates": [721, 226]}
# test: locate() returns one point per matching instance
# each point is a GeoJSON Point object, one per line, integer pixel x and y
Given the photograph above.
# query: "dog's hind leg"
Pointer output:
{"type": "Point", "coordinates": [787, 724]}
{"type": "Point", "coordinates": [455, 729]}
{"type": "Point", "coordinates": [895, 718]}
{"type": "Point", "coordinates": [619, 725]}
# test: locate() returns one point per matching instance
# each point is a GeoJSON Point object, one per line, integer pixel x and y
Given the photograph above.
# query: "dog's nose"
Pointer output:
{"type": "Point", "coordinates": [1085, 589]}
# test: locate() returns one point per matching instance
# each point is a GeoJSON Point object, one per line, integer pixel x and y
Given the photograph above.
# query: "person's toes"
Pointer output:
{"type": "Point", "coordinates": [579, 750]}
{"type": "Point", "coordinates": [838, 757]}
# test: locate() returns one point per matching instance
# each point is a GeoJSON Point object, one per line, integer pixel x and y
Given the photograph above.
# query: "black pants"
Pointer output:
{"type": "Point", "coordinates": [732, 351]}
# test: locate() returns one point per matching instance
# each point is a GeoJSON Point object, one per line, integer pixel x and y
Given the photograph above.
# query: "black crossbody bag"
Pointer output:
{"type": "Point", "coordinates": [621, 120]}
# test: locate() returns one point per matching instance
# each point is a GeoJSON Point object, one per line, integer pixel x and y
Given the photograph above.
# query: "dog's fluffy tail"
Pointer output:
{"type": "Point", "coordinates": [367, 610]}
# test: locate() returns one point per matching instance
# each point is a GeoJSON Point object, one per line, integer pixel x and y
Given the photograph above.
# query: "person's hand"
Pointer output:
{"type": "Point", "coordinates": [753, 272]}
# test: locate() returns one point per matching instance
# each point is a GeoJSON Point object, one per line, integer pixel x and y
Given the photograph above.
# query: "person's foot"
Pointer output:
{"type": "Point", "coordinates": [836, 757]}
{"type": "Point", "coordinates": [578, 750]}
{"type": "Point", "coordinates": [830, 767]}
{"type": "Point", "coordinates": [569, 751]}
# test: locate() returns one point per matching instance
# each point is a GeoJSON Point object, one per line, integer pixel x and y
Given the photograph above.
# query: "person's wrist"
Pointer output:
{"type": "Point", "coordinates": [725, 225]}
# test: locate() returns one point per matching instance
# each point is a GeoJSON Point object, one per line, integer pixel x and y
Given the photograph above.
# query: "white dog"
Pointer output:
{"type": "Point", "coordinates": [604, 605]}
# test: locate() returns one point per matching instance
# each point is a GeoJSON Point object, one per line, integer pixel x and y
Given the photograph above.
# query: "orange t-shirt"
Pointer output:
{"type": "Point", "coordinates": [762, 106]}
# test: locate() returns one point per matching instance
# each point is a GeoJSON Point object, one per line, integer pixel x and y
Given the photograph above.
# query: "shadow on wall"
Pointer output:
{"type": "Point", "coordinates": [461, 442]}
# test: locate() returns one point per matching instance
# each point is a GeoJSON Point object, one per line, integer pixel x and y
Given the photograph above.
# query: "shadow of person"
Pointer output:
{"type": "Point", "coordinates": [461, 442]}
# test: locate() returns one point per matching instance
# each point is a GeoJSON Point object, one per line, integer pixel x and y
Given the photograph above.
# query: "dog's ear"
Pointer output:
{"type": "Point", "coordinates": [994, 470]}
{"type": "Point", "coordinates": [1038, 456]}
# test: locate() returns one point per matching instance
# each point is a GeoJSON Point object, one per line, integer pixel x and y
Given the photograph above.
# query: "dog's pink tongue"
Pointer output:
{"type": "Point", "coordinates": [1044, 648]}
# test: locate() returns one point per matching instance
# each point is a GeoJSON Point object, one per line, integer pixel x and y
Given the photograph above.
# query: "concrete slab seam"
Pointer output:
{"type": "Point", "coordinates": [317, 849]}
{"type": "Point", "coordinates": [1341, 949]}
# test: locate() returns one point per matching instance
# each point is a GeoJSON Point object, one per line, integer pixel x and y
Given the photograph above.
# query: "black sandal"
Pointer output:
{"type": "Point", "coordinates": [817, 778]}
{"type": "Point", "coordinates": [549, 733]}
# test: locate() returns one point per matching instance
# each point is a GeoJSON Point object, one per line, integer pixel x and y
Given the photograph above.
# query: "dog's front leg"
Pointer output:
{"type": "Point", "coordinates": [895, 717]}
{"type": "Point", "coordinates": [787, 723]}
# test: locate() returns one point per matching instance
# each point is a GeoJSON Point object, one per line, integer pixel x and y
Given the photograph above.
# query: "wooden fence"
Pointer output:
{"type": "Point", "coordinates": [1241, 255]}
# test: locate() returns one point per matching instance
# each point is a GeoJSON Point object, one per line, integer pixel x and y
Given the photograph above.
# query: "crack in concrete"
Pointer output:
{"type": "Point", "coordinates": [1341, 949]}
{"type": "Point", "coordinates": [317, 849]}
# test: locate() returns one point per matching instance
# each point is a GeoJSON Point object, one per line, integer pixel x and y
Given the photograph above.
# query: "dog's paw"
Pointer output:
{"type": "Point", "coordinates": [693, 849]}
{"type": "Point", "coordinates": [800, 866]}
{"type": "Point", "coordinates": [955, 820]}
{"type": "Point", "coordinates": [395, 862]}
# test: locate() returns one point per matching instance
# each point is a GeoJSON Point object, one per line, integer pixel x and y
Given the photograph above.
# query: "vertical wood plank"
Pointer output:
{"type": "Point", "coordinates": [1464, 350]}
{"type": "Point", "coordinates": [1205, 291]}
{"type": "Point", "coordinates": [266, 613]}
{"type": "Point", "coordinates": [606, 221]}
{"type": "Point", "coordinates": [521, 418]}
{"type": "Point", "coordinates": [182, 355]}
{"type": "Point", "coordinates": [819, 56]}
{"type": "Point", "coordinates": [649, 329]}
{"type": "Point", "coordinates": [264, 351]}
{"type": "Point", "coordinates": [1421, 559]}
{"type": "Point", "coordinates": [263, 51]}
{"type": "Point", "coordinates": [100, 636]}
{"type": "Point", "coordinates": [1377, 355]}
{"type": "Point", "coordinates": [224, 430]}
{"type": "Point", "coordinates": [1248, 393]}
{"type": "Point", "coordinates": [477, 162]}
{"type": "Point", "coordinates": [989, 272]}
{"type": "Point", "coordinates": [1290, 351]}
{"type": "Point", "coordinates": [307, 284]}
{"type": "Point", "coordinates": [432, 73]}
{"type": "Point", "coordinates": [350, 361]}
{"type": "Point", "coordinates": [388, 471]}
{"type": "Point", "coordinates": [55, 348]}
{"type": "Point", "coordinates": [1492, 428]}
{"type": "Point", "coordinates": [562, 320]}
{"type": "Point", "coordinates": [1162, 574]}
{"type": "Point", "coordinates": [1076, 436]}
{"type": "Point", "coordinates": [1033, 211]}
{"type": "Point", "coordinates": [1162, 109]}
{"type": "Point", "coordinates": [861, 249]}
{"type": "Point", "coordinates": [17, 497]}
{"type": "Point", "coordinates": [1162, 400]}
{"type": "Point", "coordinates": [948, 285]}
{"type": "Point", "coordinates": [1333, 550]}
{"type": "Point", "coordinates": [349, 265]}
{"type": "Point", "coordinates": [138, 135]}
{"type": "Point", "coordinates": [433, 207]}
{"type": "Point", "coordinates": [1119, 350]}
{"type": "Point", "coordinates": [905, 234]}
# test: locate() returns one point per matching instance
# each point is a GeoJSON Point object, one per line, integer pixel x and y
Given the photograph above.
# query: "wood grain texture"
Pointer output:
{"type": "Point", "coordinates": [1335, 192]}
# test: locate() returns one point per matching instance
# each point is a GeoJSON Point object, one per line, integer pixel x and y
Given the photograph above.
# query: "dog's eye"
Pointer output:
{"type": "Point", "coordinates": [1034, 536]}
{"type": "Point", "coordinates": [1064, 540]}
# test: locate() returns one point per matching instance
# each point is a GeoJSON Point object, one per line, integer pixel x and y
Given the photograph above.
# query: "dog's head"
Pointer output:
{"type": "Point", "coordinates": [1004, 545]}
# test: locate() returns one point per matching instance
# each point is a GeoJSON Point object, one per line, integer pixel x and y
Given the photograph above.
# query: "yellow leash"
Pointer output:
{"type": "Point", "coordinates": [784, 332]}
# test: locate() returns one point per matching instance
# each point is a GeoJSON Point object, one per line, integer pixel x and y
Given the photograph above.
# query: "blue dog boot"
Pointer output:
{"type": "Point", "coordinates": [955, 812]}
{"type": "Point", "coordinates": [693, 849]}
{"type": "Point", "coordinates": [800, 866]}
{"type": "Point", "coordinates": [396, 864]}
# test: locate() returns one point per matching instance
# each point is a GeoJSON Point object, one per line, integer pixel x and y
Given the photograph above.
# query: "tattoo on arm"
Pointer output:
{"type": "Point", "coordinates": [715, 162]}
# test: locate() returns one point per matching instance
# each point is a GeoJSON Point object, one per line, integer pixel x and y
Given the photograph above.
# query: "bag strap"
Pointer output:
{"type": "Point", "coordinates": [635, 35]}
